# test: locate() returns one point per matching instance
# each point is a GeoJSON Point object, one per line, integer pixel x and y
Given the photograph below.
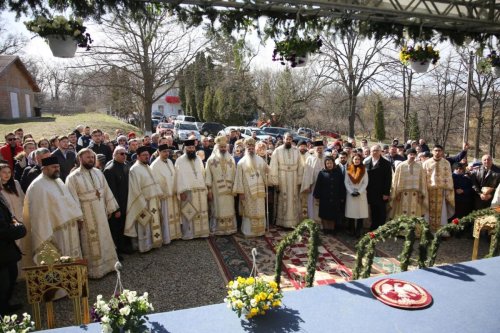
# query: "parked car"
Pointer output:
{"type": "Point", "coordinates": [182, 131]}
{"type": "Point", "coordinates": [157, 115]}
{"type": "Point", "coordinates": [198, 124]}
{"type": "Point", "coordinates": [308, 132]}
{"type": "Point", "coordinates": [154, 123]}
{"type": "Point", "coordinates": [211, 128]}
{"type": "Point", "coordinates": [163, 127]}
{"type": "Point", "coordinates": [227, 130]}
{"type": "Point", "coordinates": [329, 134]}
{"type": "Point", "coordinates": [185, 119]}
{"type": "Point", "coordinates": [281, 131]}
{"type": "Point", "coordinates": [261, 135]}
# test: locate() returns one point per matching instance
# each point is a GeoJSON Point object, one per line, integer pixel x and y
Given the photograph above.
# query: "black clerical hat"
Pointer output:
{"type": "Point", "coordinates": [49, 161]}
{"type": "Point", "coordinates": [142, 149]}
{"type": "Point", "coordinates": [318, 143]}
{"type": "Point", "coordinates": [163, 147]}
{"type": "Point", "coordinates": [188, 143]}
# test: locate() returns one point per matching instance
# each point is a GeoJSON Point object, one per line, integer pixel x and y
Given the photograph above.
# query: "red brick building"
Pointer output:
{"type": "Point", "coordinates": [17, 89]}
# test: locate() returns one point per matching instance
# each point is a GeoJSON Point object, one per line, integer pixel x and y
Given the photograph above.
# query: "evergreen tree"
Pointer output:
{"type": "Point", "coordinates": [379, 122]}
{"type": "Point", "coordinates": [218, 102]}
{"type": "Point", "coordinates": [208, 112]}
{"type": "Point", "coordinates": [414, 130]}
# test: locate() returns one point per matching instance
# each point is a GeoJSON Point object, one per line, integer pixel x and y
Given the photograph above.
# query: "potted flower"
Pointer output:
{"type": "Point", "coordinates": [63, 35]}
{"type": "Point", "coordinates": [419, 57]}
{"type": "Point", "coordinates": [13, 324]}
{"type": "Point", "coordinates": [252, 296]}
{"type": "Point", "coordinates": [296, 50]}
{"type": "Point", "coordinates": [124, 312]}
{"type": "Point", "coordinates": [490, 64]}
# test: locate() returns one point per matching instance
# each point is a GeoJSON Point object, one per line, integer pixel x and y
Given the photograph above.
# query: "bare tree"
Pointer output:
{"type": "Point", "coordinates": [351, 64]}
{"type": "Point", "coordinates": [10, 43]}
{"type": "Point", "coordinates": [480, 94]}
{"type": "Point", "coordinates": [150, 47]}
{"type": "Point", "coordinates": [442, 105]}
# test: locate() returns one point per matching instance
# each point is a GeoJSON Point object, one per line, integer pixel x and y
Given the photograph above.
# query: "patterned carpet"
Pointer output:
{"type": "Point", "coordinates": [335, 262]}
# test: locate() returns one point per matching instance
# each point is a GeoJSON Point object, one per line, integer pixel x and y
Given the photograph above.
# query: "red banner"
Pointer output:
{"type": "Point", "coordinates": [173, 99]}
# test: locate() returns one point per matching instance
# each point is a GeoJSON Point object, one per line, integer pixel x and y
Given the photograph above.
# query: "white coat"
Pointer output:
{"type": "Point", "coordinates": [356, 207]}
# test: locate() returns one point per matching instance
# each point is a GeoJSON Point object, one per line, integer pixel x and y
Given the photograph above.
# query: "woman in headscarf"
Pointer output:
{"type": "Point", "coordinates": [356, 207]}
{"type": "Point", "coordinates": [331, 193]}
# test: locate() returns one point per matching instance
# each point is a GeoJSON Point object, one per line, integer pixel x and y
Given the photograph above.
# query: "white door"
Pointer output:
{"type": "Point", "coordinates": [28, 105]}
{"type": "Point", "coordinates": [14, 105]}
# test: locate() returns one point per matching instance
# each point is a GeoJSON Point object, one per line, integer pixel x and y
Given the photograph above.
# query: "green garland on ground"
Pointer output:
{"type": "Point", "coordinates": [365, 249]}
{"type": "Point", "coordinates": [458, 225]}
{"type": "Point", "coordinates": [312, 252]}
{"type": "Point", "coordinates": [366, 246]}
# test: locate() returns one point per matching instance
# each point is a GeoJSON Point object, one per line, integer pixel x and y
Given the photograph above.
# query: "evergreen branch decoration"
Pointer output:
{"type": "Point", "coordinates": [458, 225]}
{"type": "Point", "coordinates": [402, 224]}
{"type": "Point", "coordinates": [423, 247]}
{"type": "Point", "coordinates": [312, 252]}
{"type": "Point", "coordinates": [427, 249]}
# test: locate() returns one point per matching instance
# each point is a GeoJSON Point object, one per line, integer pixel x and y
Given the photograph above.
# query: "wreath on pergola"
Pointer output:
{"type": "Point", "coordinates": [246, 17]}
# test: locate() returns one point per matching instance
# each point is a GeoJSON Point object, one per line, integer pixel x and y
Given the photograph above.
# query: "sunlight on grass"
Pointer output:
{"type": "Point", "coordinates": [48, 126]}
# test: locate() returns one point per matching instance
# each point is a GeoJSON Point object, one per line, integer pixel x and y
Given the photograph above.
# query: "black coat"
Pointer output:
{"type": "Point", "coordinates": [9, 233]}
{"type": "Point", "coordinates": [101, 149]}
{"type": "Point", "coordinates": [29, 175]}
{"type": "Point", "coordinates": [117, 177]}
{"type": "Point", "coordinates": [483, 178]}
{"type": "Point", "coordinates": [379, 180]}
{"type": "Point", "coordinates": [66, 163]}
{"type": "Point", "coordinates": [330, 190]}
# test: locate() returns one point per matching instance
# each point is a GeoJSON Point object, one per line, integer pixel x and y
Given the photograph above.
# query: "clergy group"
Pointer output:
{"type": "Point", "coordinates": [97, 203]}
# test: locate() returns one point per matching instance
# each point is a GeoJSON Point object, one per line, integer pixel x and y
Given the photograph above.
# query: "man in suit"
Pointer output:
{"type": "Point", "coordinates": [116, 173]}
{"type": "Point", "coordinates": [65, 157]}
{"type": "Point", "coordinates": [485, 180]}
{"type": "Point", "coordinates": [379, 185]}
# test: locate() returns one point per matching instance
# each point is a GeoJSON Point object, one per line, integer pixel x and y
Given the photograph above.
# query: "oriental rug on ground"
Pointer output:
{"type": "Point", "coordinates": [335, 261]}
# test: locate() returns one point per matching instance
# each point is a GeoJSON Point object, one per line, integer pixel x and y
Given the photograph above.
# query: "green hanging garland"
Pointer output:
{"type": "Point", "coordinates": [458, 225]}
{"type": "Point", "coordinates": [427, 250]}
{"type": "Point", "coordinates": [312, 252]}
{"type": "Point", "coordinates": [366, 246]}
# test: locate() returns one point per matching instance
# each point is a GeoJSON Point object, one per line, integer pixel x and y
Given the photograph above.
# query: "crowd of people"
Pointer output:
{"type": "Point", "coordinates": [87, 194]}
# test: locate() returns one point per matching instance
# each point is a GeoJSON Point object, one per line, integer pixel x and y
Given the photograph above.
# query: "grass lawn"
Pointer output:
{"type": "Point", "coordinates": [47, 126]}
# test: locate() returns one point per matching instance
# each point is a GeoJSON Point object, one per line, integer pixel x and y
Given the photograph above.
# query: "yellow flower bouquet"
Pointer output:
{"type": "Point", "coordinates": [418, 53]}
{"type": "Point", "coordinates": [252, 296]}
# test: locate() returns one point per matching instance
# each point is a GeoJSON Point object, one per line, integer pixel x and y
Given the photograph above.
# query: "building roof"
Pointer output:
{"type": "Point", "coordinates": [7, 61]}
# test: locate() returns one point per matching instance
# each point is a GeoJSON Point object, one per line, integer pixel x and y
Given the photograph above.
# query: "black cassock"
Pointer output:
{"type": "Point", "coordinates": [117, 177]}
{"type": "Point", "coordinates": [330, 190]}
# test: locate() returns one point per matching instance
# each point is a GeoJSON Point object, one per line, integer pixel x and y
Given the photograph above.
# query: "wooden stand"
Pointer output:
{"type": "Point", "coordinates": [483, 223]}
{"type": "Point", "coordinates": [69, 277]}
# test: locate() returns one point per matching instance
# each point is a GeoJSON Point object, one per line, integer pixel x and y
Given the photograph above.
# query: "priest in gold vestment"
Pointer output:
{"type": "Point", "coordinates": [192, 193]}
{"type": "Point", "coordinates": [286, 174]}
{"type": "Point", "coordinates": [314, 164]}
{"type": "Point", "coordinates": [409, 188]}
{"type": "Point", "coordinates": [53, 214]}
{"type": "Point", "coordinates": [164, 172]}
{"type": "Point", "coordinates": [143, 205]}
{"type": "Point", "coordinates": [440, 189]}
{"type": "Point", "coordinates": [250, 186]}
{"type": "Point", "coordinates": [89, 186]}
{"type": "Point", "coordinates": [219, 178]}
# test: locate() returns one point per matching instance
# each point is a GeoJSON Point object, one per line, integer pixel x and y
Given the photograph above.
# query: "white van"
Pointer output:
{"type": "Point", "coordinates": [185, 119]}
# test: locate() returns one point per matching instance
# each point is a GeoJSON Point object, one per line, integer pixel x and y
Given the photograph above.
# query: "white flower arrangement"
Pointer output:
{"type": "Point", "coordinates": [11, 324]}
{"type": "Point", "coordinates": [60, 26]}
{"type": "Point", "coordinates": [252, 296]}
{"type": "Point", "coordinates": [125, 311]}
